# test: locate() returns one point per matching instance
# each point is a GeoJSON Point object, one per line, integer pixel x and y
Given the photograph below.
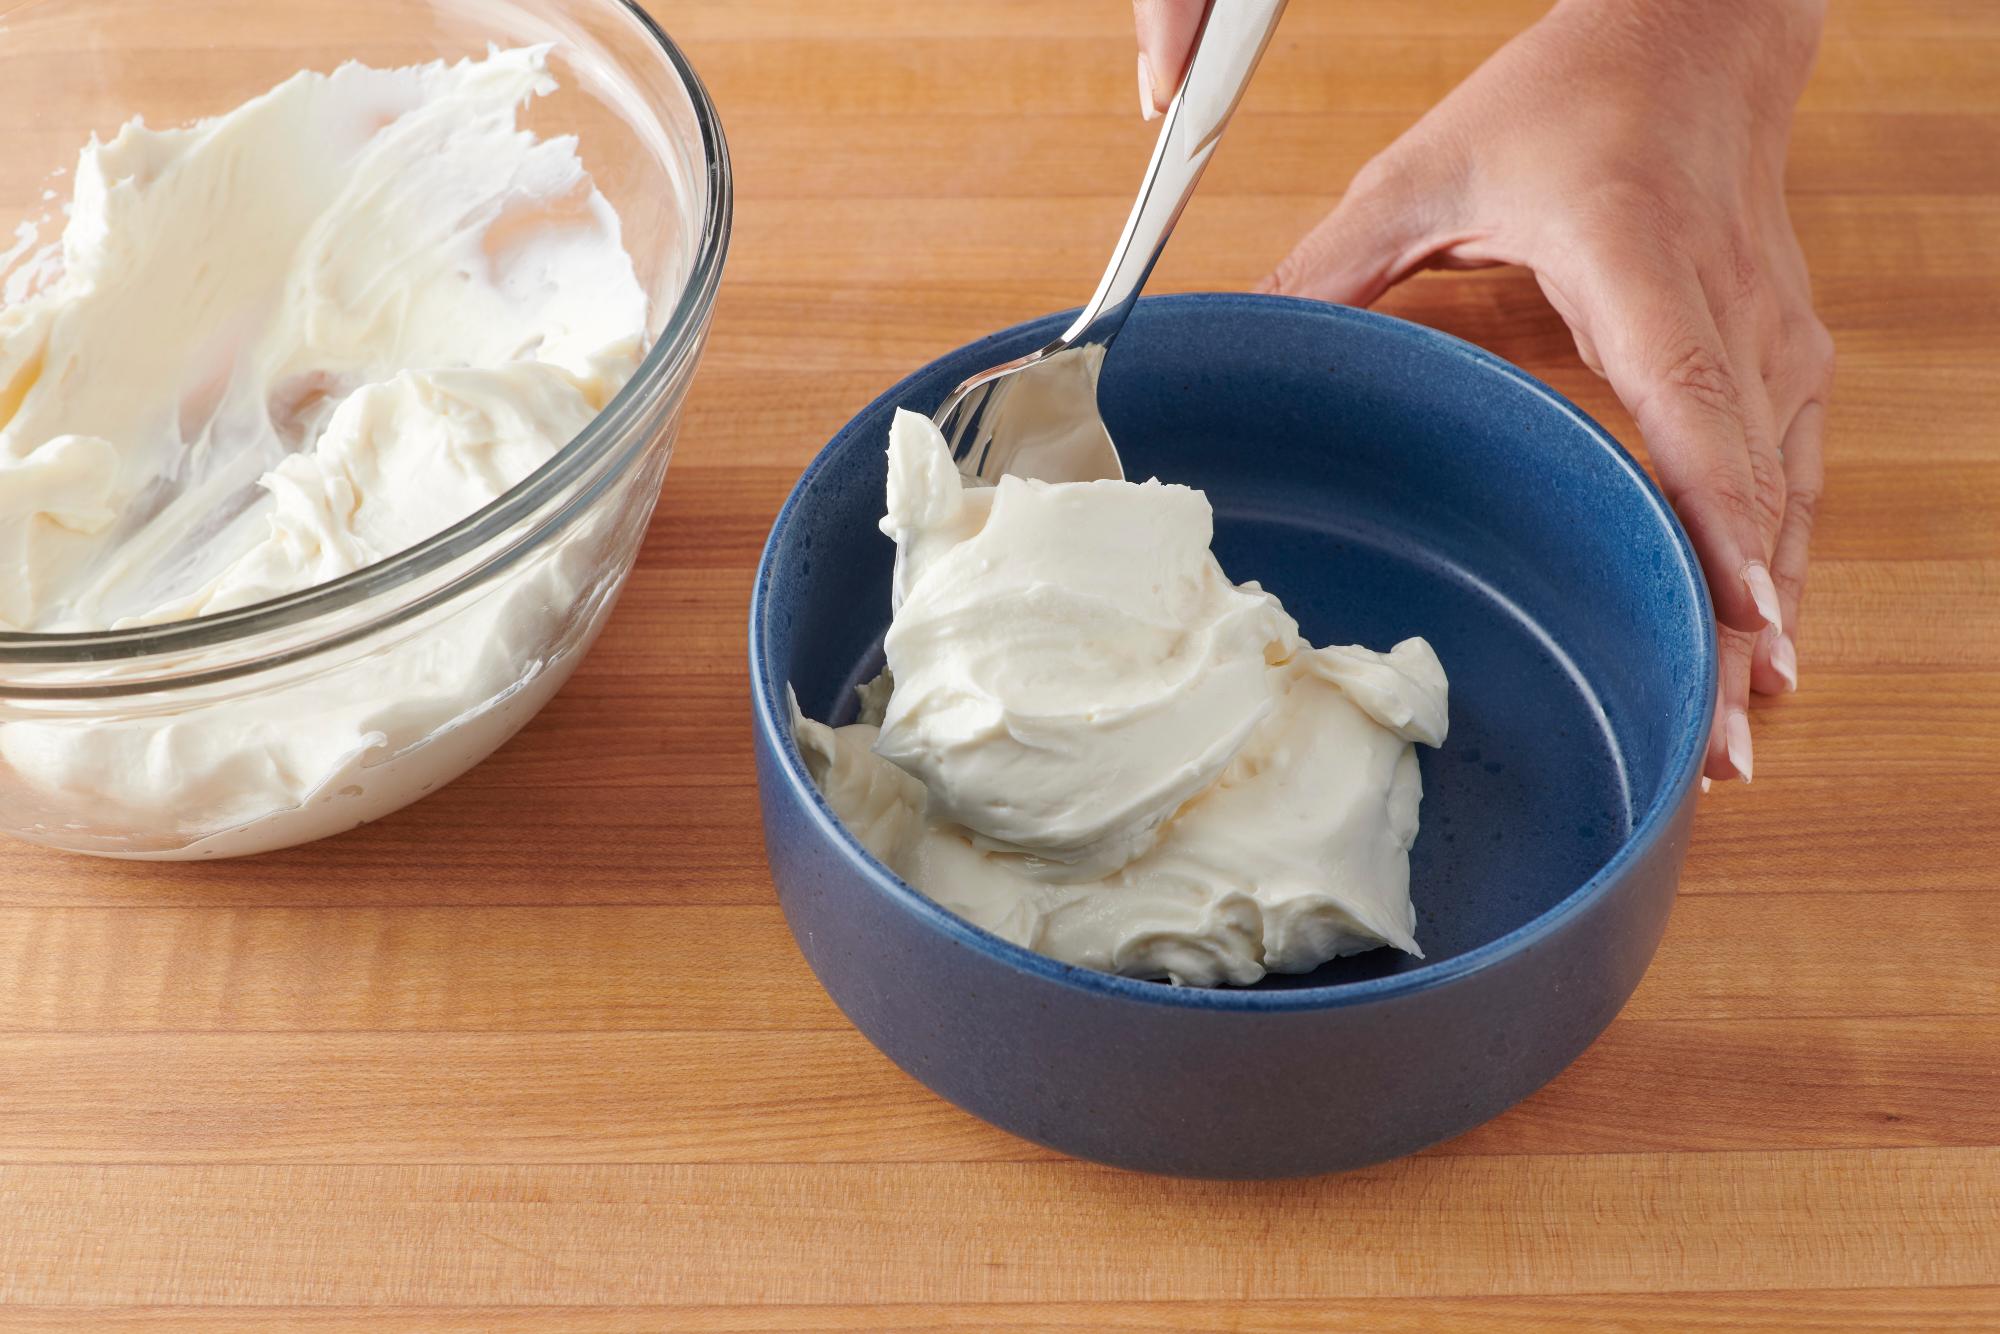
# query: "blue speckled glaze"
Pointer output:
{"type": "Point", "coordinates": [1384, 480]}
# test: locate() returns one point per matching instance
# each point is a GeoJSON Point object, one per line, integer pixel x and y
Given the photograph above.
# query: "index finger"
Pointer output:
{"type": "Point", "coordinates": [1166, 37]}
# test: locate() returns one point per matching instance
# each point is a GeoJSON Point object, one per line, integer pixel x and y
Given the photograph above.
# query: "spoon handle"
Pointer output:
{"type": "Point", "coordinates": [1231, 42]}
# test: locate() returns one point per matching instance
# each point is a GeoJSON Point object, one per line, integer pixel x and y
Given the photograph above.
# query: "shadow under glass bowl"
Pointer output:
{"type": "Point", "coordinates": [1383, 480]}
{"type": "Point", "coordinates": [319, 710]}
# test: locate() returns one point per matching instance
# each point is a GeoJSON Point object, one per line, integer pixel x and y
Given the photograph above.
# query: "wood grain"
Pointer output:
{"type": "Point", "coordinates": [666, 968]}
{"type": "Point", "coordinates": [538, 1052]}
{"type": "Point", "coordinates": [1846, 1311]}
{"type": "Point", "coordinates": [995, 1232]}
{"type": "Point", "coordinates": [752, 1096]}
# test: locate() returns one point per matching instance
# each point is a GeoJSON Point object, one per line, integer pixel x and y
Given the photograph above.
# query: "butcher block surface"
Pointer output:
{"type": "Point", "coordinates": [539, 1053]}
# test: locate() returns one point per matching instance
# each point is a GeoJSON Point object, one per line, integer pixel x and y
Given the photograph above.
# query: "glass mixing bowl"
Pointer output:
{"type": "Point", "coordinates": [314, 712]}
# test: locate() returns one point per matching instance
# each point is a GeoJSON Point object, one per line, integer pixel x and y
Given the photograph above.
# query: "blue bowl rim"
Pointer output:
{"type": "Point", "coordinates": [773, 720]}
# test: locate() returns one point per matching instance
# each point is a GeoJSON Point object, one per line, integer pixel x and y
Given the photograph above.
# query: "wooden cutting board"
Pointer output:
{"type": "Point", "coordinates": [538, 1052]}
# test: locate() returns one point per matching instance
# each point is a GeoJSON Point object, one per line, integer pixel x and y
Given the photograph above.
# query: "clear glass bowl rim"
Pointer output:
{"type": "Point", "coordinates": [664, 364]}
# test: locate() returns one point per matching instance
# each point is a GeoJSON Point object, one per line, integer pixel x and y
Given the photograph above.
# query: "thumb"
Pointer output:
{"type": "Point", "coordinates": [1381, 232]}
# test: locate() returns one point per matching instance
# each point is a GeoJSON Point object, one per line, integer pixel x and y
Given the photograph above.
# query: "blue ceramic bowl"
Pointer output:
{"type": "Point", "coordinates": [1384, 480]}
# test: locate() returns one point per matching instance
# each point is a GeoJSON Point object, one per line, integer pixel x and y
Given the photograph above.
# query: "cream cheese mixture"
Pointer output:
{"type": "Point", "coordinates": [273, 348]}
{"type": "Point", "coordinates": [1096, 746]}
{"type": "Point", "coordinates": [289, 341]}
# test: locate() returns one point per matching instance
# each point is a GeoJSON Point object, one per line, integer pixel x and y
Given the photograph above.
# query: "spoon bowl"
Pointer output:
{"type": "Point", "coordinates": [1037, 415]}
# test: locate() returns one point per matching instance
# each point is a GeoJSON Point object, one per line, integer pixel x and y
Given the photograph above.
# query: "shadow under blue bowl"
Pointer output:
{"type": "Point", "coordinates": [1384, 480]}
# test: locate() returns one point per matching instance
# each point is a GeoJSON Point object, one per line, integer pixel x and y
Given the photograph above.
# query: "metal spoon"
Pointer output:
{"type": "Point", "coordinates": [1037, 416]}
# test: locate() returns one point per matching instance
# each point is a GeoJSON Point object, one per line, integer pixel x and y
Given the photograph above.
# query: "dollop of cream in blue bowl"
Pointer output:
{"type": "Point", "coordinates": [1384, 481]}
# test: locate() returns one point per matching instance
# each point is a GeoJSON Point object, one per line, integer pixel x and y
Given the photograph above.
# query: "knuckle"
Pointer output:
{"type": "Point", "coordinates": [1767, 479]}
{"type": "Point", "coordinates": [1721, 489]}
{"type": "Point", "coordinates": [1694, 371]}
{"type": "Point", "coordinates": [1735, 271]}
{"type": "Point", "coordinates": [1649, 212]}
{"type": "Point", "coordinates": [1379, 175]}
{"type": "Point", "coordinates": [1384, 175]}
{"type": "Point", "coordinates": [1791, 585]}
{"type": "Point", "coordinates": [1738, 646]}
{"type": "Point", "coordinates": [1318, 253]}
{"type": "Point", "coordinates": [1586, 351]}
{"type": "Point", "coordinates": [1285, 278]}
{"type": "Point", "coordinates": [1738, 650]}
{"type": "Point", "coordinates": [1636, 199]}
{"type": "Point", "coordinates": [1802, 507]}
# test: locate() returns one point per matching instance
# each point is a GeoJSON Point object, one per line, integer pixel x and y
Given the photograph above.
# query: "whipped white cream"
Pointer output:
{"type": "Point", "coordinates": [283, 343]}
{"type": "Point", "coordinates": [1098, 747]}
{"type": "Point", "coordinates": [273, 348]}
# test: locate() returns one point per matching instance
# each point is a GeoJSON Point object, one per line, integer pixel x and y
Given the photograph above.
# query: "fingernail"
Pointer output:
{"type": "Point", "coordinates": [1736, 734]}
{"type": "Point", "coordinates": [1706, 784]}
{"type": "Point", "coordinates": [1148, 109]}
{"type": "Point", "coordinates": [1785, 661]}
{"type": "Point", "coordinates": [1757, 578]}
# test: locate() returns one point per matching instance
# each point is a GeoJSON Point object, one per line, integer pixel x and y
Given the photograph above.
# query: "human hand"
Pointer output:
{"type": "Point", "coordinates": [1632, 155]}
{"type": "Point", "coordinates": [1166, 40]}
